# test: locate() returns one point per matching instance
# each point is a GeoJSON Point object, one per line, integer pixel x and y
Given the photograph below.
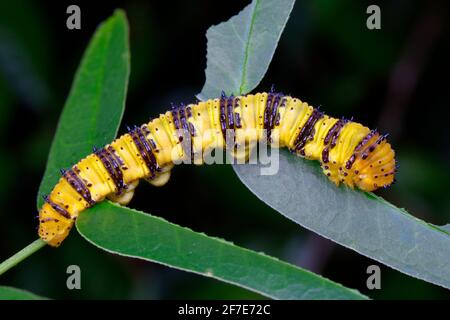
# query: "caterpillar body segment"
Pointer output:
{"type": "Point", "coordinates": [349, 152]}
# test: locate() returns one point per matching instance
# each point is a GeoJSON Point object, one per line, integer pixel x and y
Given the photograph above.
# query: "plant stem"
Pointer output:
{"type": "Point", "coordinates": [21, 255]}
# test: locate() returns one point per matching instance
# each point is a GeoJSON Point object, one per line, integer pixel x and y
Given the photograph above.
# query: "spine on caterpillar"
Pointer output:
{"type": "Point", "coordinates": [349, 152]}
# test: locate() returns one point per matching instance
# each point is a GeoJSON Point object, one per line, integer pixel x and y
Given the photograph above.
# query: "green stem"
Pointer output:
{"type": "Point", "coordinates": [21, 255]}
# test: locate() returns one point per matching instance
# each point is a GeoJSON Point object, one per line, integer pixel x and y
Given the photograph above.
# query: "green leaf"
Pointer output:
{"type": "Point", "coordinates": [98, 85]}
{"type": "Point", "coordinates": [10, 293]}
{"type": "Point", "coordinates": [95, 105]}
{"type": "Point", "coordinates": [240, 50]}
{"type": "Point", "coordinates": [135, 234]}
{"type": "Point", "coordinates": [360, 221]}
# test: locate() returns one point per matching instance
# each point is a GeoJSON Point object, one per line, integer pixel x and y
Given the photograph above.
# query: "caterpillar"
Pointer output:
{"type": "Point", "coordinates": [349, 152]}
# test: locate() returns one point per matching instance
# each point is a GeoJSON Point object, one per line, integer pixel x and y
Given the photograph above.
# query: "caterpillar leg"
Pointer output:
{"type": "Point", "coordinates": [245, 143]}
{"type": "Point", "coordinates": [161, 178]}
{"type": "Point", "coordinates": [241, 156]}
{"type": "Point", "coordinates": [125, 197]}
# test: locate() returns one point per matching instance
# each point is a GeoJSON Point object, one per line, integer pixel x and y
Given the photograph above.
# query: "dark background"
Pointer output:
{"type": "Point", "coordinates": [395, 79]}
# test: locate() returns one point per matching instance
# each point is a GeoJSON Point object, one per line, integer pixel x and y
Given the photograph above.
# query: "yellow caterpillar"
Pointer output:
{"type": "Point", "coordinates": [349, 152]}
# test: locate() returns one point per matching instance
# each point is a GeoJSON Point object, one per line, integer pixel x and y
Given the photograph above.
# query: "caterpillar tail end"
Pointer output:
{"type": "Point", "coordinates": [53, 228]}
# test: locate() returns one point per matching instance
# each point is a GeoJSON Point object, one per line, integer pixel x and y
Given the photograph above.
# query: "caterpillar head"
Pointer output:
{"type": "Point", "coordinates": [376, 168]}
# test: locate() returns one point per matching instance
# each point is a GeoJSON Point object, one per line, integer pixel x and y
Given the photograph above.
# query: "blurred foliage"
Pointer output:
{"type": "Point", "coordinates": [326, 56]}
{"type": "Point", "coordinates": [10, 293]}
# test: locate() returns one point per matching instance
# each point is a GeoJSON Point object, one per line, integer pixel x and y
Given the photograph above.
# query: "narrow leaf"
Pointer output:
{"type": "Point", "coordinates": [240, 50]}
{"type": "Point", "coordinates": [360, 221]}
{"type": "Point", "coordinates": [10, 293]}
{"type": "Point", "coordinates": [94, 108]}
{"type": "Point", "coordinates": [135, 234]}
